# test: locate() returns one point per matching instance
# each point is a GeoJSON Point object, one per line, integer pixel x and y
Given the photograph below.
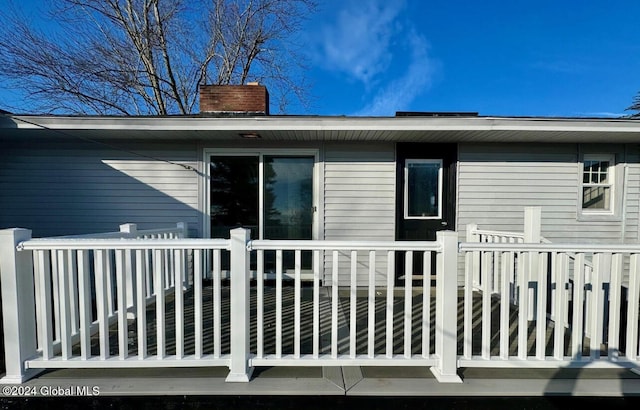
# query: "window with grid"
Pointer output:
{"type": "Point", "coordinates": [597, 183]}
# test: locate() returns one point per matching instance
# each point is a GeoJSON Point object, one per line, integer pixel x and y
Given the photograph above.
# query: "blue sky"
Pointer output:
{"type": "Point", "coordinates": [511, 58]}
{"type": "Point", "coordinates": [506, 58]}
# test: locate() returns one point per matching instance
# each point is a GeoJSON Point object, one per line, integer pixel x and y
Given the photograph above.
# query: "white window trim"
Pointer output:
{"type": "Point", "coordinates": [611, 158]}
{"type": "Point", "coordinates": [260, 153]}
{"type": "Point", "coordinates": [406, 187]}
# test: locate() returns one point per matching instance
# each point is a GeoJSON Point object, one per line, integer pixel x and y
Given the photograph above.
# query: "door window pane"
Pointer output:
{"type": "Point", "coordinates": [423, 182]}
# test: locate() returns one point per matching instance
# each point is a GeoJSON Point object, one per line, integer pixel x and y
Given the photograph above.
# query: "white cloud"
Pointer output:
{"type": "Point", "coordinates": [375, 43]}
{"type": "Point", "coordinates": [359, 43]}
{"type": "Point", "coordinates": [399, 93]}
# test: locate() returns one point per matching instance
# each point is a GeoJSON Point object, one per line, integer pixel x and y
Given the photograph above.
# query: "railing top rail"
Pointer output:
{"type": "Point", "coordinates": [498, 233]}
{"type": "Point", "coordinates": [548, 247]}
{"type": "Point", "coordinates": [122, 243]}
{"type": "Point", "coordinates": [333, 245]}
{"type": "Point", "coordinates": [159, 231]}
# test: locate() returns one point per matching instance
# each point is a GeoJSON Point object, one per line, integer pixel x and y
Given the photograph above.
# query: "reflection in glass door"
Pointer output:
{"type": "Point", "coordinates": [270, 194]}
{"type": "Point", "coordinates": [288, 197]}
{"type": "Point", "coordinates": [234, 194]}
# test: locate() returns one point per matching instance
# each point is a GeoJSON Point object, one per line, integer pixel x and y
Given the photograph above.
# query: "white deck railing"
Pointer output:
{"type": "Point", "coordinates": [55, 297]}
{"type": "Point", "coordinates": [596, 300]}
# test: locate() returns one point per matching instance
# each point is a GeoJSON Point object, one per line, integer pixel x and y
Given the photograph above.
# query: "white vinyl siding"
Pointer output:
{"type": "Point", "coordinates": [359, 201]}
{"type": "Point", "coordinates": [71, 187]}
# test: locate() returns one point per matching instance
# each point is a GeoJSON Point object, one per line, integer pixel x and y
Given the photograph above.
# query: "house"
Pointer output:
{"type": "Point", "coordinates": [330, 178]}
{"type": "Point", "coordinates": [313, 177]}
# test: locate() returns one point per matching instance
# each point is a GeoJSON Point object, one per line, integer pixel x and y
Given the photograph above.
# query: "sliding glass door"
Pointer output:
{"type": "Point", "coordinates": [270, 194]}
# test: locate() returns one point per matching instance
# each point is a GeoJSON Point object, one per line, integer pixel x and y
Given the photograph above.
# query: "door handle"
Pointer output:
{"type": "Point", "coordinates": [444, 223]}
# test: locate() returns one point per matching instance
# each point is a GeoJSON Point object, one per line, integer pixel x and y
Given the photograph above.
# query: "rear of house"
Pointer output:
{"type": "Point", "coordinates": [331, 178]}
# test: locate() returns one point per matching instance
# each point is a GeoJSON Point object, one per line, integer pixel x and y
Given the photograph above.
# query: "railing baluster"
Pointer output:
{"type": "Point", "coordinates": [148, 258]}
{"type": "Point", "coordinates": [615, 302]}
{"type": "Point", "coordinates": [45, 333]}
{"type": "Point", "coordinates": [334, 305]}
{"type": "Point", "coordinates": [159, 277]}
{"type": "Point", "coordinates": [495, 282]}
{"type": "Point", "coordinates": [178, 258]}
{"type": "Point", "coordinates": [121, 293]}
{"type": "Point", "coordinates": [84, 301]}
{"type": "Point", "coordinates": [560, 272]}
{"type": "Point", "coordinates": [65, 314]}
{"type": "Point", "coordinates": [297, 298]}
{"type": "Point", "coordinates": [426, 304]}
{"type": "Point", "coordinates": [217, 303]}
{"type": "Point", "coordinates": [56, 294]}
{"type": "Point", "coordinates": [506, 259]}
{"type": "Point", "coordinates": [371, 305]}
{"type": "Point", "coordinates": [141, 303]}
{"type": "Point", "coordinates": [541, 313]}
{"type": "Point", "coordinates": [279, 303]}
{"type": "Point", "coordinates": [597, 305]}
{"type": "Point", "coordinates": [109, 282]}
{"type": "Point", "coordinates": [198, 276]}
{"type": "Point", "coordinates": [74, 318]}
{"type": "Point", "coordinates": [102, 309]}
{"type": "Point", "coordinates": [316, 304]}
{"type": "Point", "coordinates": [523, 302]}
{"type": "Point", "coordinates": [471, 277]}
{"type": "Point", "coordinates": [389, 305]}
{"type": "Point", "coordinates": [408, 302]}
{"type": "Point", "coordinates": [487, 274]}
{"type": "Point", "coordinates": [260, 303]}
{"type": "Point", "coordinates": [577, 331]}
{"type": "Point", "coordinates": [633, 300]}
{"type": "Point", "coordinates": [352, 304]}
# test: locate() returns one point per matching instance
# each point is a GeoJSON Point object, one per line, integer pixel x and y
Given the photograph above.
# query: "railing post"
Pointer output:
{"type": "Point", "coordinates": [184, 230]}
{"type": "Point", "coordinates": [129, 230]}
{"type": "Point", "coordinates": [532, 224]}
{"type": "Point", "coordinates": [18, 306]}
{"type": "Point", "coordinates": [239, 370]}
{"type": "Point", "coordinates": [532, 234]}
{"type": "Point", "coordinates": [446, 336]}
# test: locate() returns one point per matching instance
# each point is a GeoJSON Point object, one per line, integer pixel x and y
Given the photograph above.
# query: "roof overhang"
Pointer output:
{"type": "Point", "coordinates": [319, 128]}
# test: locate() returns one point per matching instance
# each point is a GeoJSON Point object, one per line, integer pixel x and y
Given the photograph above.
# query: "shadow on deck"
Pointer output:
{"type": "Point", "coordinates": [325, 308]}
{"type": "Point", "coordinates": [346, 380]}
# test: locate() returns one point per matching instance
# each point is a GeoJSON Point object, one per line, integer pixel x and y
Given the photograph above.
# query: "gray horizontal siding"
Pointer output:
{"type": "Point", "coordinates": [359, 202]}
{"type": "Point", "coordinates": [497, 181]}
{"type": "Point", "coordinates": [71, 187]}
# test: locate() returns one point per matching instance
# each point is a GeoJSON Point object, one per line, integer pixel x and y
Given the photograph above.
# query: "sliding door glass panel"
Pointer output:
{"type": "Point", "coordinates": [234, 194]}
{"type": "Point", "coordinates": [288, 206]}
{"type": "Point", "coordinates": [288, 197]}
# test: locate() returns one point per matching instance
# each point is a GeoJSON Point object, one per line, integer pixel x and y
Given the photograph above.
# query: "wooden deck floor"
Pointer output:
{"type": "Point", "coordinates": [269, 325]}
{"type": "Point", "coordinates": [331, 381]}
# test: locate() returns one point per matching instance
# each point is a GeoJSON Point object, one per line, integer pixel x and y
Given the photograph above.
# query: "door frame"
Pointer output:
{"type": "Point", "coordinates": [260, 153]}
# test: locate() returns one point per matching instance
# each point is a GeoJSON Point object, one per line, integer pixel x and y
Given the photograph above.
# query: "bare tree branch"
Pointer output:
{"type": "Point", "coordinates": [131, 57]}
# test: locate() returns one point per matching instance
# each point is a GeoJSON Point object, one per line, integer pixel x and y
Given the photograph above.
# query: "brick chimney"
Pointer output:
{"type": "Point", "coordinates": [249, 99]}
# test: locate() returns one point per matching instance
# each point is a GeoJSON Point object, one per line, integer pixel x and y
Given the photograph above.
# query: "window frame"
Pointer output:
{"type": "Point", "coordinates": [613, 185]}
{"type": "Point", "coordinates": [408, 161]}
